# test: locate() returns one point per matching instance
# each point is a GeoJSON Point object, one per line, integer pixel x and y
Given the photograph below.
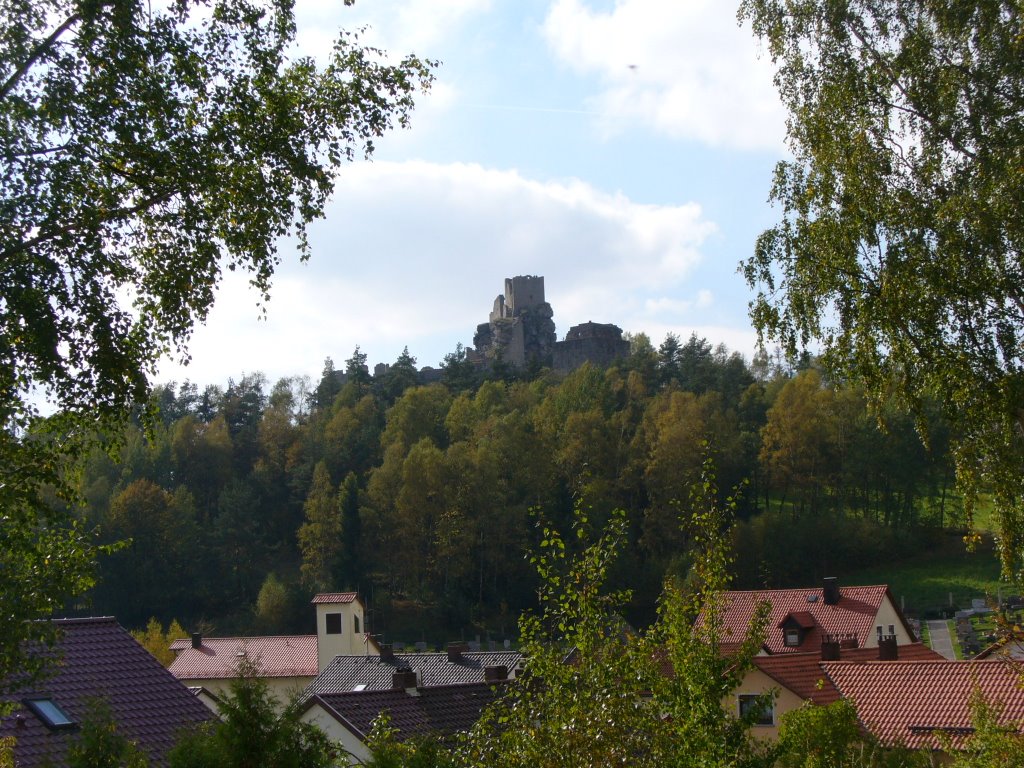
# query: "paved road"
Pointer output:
{"type": "Point", "coordinates": [939, 639]}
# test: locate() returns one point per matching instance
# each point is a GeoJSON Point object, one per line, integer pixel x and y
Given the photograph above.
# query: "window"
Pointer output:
{"type": "Point", "coordinates": [792, 638]}
{"type": "Point", "coordinates": [50, 713]}
{"type": "Point", "coordinates": [892, 630]}
{"type": "Point", "coordinates": [764, 711]}
{"type": "Point", "coordinates": [879, 631]}
{"type": "Point", "coordinates": [333, 623]}
{"type": "Point", "coordinates": [355, 624]}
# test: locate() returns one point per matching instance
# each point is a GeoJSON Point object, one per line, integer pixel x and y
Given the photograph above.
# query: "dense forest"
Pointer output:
{"type": "Point", "coordinates": [240, 502]}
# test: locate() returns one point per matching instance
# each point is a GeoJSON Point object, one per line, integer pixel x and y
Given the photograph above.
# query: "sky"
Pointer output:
{"type": "Point", "coordinates": [622, 149]}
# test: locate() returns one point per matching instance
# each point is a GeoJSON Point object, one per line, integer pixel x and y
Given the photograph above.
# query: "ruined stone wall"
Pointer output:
{"type": "Point", "coordinates": [597, 343]}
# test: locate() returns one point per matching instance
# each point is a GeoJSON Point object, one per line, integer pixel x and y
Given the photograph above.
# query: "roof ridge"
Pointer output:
{"type": "Point", "coordinates": [800, 589]}
{"type": "Point", "coordinates": [84, 620]}
{"type": "Point", "coordinates": [250, 637]}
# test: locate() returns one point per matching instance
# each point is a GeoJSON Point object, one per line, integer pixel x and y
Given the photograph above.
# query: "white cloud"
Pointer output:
{"type": "Point", "coordinates": [664, 307]}
{"type": "Point", "coordinates": [423, 27]}
{"type": "Point", "coordinates": [685, 68]}
{"type": "Point", "coordinates": [414, 254]}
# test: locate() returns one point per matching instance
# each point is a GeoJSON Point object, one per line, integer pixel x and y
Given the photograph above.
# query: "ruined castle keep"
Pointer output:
{"type": "Point", "coordinates": [521, 330]}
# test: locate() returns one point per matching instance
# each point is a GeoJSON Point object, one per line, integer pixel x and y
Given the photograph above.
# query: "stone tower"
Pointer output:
{"type": "Point", "coordinates": [520, 328]}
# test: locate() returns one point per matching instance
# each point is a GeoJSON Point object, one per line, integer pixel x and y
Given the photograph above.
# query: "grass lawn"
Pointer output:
{"type": "Point", "coordinates": [923, 583]}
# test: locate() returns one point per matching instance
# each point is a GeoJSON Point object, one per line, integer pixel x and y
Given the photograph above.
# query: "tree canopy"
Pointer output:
{"type": "Point", "coordinates": [144, 149]}
{"type": "Point", "coordinates": [900, 241]}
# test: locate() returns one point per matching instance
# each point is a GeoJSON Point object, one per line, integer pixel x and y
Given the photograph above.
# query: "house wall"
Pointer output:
{"type": "Point", "coordinates": [887, 614]}
{"type": "Point", "coordinates": [337, 733]}
{"type": "Point", "coordinates": [281, 688]}
{"type": "Point", "coordinates": [757, 682]}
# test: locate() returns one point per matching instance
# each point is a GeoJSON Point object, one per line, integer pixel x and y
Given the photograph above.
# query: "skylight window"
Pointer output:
{"type": "Point", "coordinates": [50, 713]}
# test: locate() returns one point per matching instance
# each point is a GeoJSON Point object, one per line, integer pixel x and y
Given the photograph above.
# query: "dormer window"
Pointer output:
{"type": "Point", "coordinates": [795, 628]}
{"type": "Point", "coordinates": [50, 713]}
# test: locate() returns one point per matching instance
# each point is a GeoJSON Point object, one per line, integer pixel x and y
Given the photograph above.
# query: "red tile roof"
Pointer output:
{"type": "Point", "coordinates": [904, 702]}
{"type": "Point", "coordinates": [280, 656]}
{"type": "Point", "coordinates": [335, 597]}
{"type": "Point", "coordinates": [100, 660]}
{"type": "Point", "coordinates": [802, 673]}
{"type": "Point", "coordinates": [854, 614]}
{"type": "Point", "coordinates": [802, 619]}
{"type": "Point", "coordinates": [437, 710]}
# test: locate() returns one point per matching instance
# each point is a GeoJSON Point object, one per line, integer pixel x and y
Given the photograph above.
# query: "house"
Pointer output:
{"type": "Point", "coordinates": [373, 673]}
{"type": "Point", "coordinates": [801, 619]}
{"type": "Point", "coordinates": [794, 678]}
{"type": "Point", "coordinates": [288, 663]}
{"type": "Point", "coordinates": [98, 661]}
{"type": "Point", "coordinates": [347, 718]}
{"type": "Point", "coordinates": [909, 702]}
{"type": "Point", "coordinates": [208, 665]}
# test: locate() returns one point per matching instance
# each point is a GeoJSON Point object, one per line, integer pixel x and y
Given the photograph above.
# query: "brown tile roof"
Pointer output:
{"type": "Point", "coordinates": [904, 702]}
{"type": "Point", "coordinates": [854, 614]}
{"type": "Point", "coordinates": [99, 659]}
{"type": "Point", "coordinates": [335, 597]}
{"type": "Point", "coordinates": [278, 656]}
{"type": "Point", "coordinates": [438, 710]}
{"type": "Point", "coordinates": [344, 673]}
{"type": "Point", "coordinates": [803, 675]}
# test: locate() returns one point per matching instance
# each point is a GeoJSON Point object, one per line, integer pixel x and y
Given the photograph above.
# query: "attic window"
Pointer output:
{"type": "Point", "coordinates": [333, 623]}
{"type": "Point", "coordinates": [50, 713]}
{"type": "Point", "coordinates": [792, 637]}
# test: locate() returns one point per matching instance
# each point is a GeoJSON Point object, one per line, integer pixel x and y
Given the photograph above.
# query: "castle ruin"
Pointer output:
{"type": "Point", "coordinates": [521, 330]}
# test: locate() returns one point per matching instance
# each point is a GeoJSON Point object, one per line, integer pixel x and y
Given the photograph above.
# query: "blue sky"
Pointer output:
{"type": "Point", "coordinates": [624, 150]}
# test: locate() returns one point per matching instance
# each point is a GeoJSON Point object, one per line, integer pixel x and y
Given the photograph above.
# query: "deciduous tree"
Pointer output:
{"type": "Point", "coordinates": [901, 240]}
{"type": "Point", "coordinates": [144, 149]}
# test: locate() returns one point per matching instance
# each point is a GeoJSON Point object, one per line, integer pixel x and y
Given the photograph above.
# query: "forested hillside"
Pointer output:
{"type": "Point", "coordinates": [243, 501]}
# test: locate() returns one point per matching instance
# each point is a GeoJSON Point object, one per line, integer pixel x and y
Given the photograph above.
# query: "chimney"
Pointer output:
{"type": "Point", "coordinates": [197, 640]}
{"type": "Point", "coordinates": [887, 648]}
{"type": "Point", "coordinates": [455, 651]}
{"type": "Point", "coordinates": [403, 678]}
{"type": "Point", "coordinates": [495, 672]}
{"type": "Point", "coordinates": [830, 588]}
{"type": "Point", "coordinates": [830, 648]}
{"type": "Point", "coordinates": [387, 652]}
